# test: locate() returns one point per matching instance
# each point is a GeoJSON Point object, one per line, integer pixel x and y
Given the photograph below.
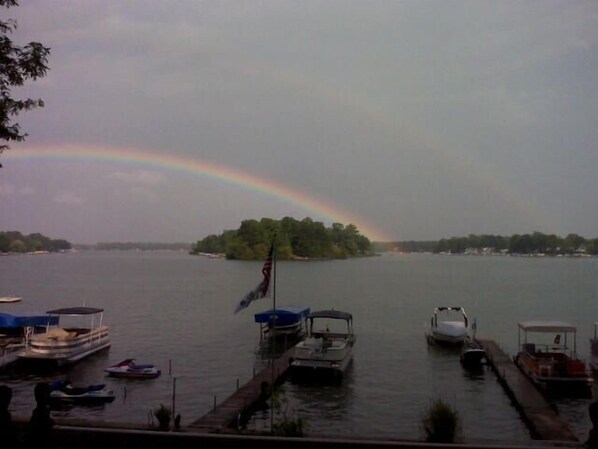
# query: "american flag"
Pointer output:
{"type": "Point", "coordinates": [262, 288]}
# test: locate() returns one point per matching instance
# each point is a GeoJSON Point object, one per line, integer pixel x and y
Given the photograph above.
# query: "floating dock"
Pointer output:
{"type": "Point", "coordinates": [227, 413]}
{"type": "Point", "coordinates": [542, 420]}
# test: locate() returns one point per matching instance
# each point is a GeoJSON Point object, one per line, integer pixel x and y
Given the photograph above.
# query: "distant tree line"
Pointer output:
{"type": "Point", "coordinates": [15, 242]}
{"type": "Point", "coordinates": [136, 246]}
{"type": "Point", "coordinates": [294, 239]}
{"type": "Point", "coordinates": [535, 243]}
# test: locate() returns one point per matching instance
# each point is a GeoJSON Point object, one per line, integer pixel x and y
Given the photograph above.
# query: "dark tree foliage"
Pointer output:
{"type": "Point", "coordinates": [534, 243]}
{"type": "Point", "coordinates": [15, 242]}
{"type": "Point", "coordinates": [17, 65]}
{"type": "Point", "coordinates": [294, 240]}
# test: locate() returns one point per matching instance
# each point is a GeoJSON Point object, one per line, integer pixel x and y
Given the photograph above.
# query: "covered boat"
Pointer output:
{"type": "Point", "coordinates": [62, 391]}
{"type": "Point", "coordinates": [283, 322]}
{"type": "Point", "coordinates": [66, 345]}
{"type": "Point", "coordinates": [130, 369]}
{"type": "Point", "coordinates": [328, 347]}
{"type": "Point", "coordinates": [17, 323]}
{"type": "Point", "coordinates": [550, 359]}
{"type": "Point", "coordinates": [13, 329]}
{"type": "Point", "coordinates": [448, 326]}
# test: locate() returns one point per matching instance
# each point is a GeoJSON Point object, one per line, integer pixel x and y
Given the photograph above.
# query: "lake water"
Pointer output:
{"type": "Point", "coordinates": [176, 311]}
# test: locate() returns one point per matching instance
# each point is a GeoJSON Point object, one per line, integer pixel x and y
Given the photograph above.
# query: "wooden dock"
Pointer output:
{"type": "Point", "coordinates": [227, 413]}
{"type": "Point", "coordinates": [542, 420]}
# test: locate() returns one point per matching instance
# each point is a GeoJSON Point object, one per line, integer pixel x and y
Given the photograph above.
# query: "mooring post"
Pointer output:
{"type": "Point", "coordinates": [214, 409]}
{"type": "Point", "coordinates": [173, 396]}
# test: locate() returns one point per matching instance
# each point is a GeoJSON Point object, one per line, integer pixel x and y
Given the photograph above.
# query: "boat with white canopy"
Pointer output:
{"type": "Point", "coordinates": [329, 344]}
{"type": "Point", "coordinates": [548, 354]}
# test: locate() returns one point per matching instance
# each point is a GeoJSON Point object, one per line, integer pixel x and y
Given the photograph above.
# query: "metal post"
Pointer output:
{"type": "Point", "coordinates": [273, 336]}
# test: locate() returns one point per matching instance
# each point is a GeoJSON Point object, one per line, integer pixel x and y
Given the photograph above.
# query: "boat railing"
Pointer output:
{"type": "Point", "coordinates": [331, 335]}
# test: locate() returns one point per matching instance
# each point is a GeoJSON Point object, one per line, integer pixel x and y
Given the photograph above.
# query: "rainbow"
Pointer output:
{"type": "Point", "coordinates": [162, 161]}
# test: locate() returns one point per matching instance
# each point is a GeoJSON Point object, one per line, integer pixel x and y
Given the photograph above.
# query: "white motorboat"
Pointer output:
{"type": "Point", "coordinates": [66, 345]}
{"type": "Point", "coordinates": [594, 349]}
{"type": "Point", "coordinates": [9, 299]}
{"type": "Point", "coordinates": [448, 326]}
{"type": "Point", "coordinates": [328, 346]}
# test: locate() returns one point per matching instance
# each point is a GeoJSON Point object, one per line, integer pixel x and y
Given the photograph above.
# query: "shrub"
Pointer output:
{"type": "Point", "coordinates": [441, 423]}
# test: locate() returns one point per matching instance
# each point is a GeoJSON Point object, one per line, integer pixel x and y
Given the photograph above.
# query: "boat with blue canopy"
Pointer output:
{"type": "Point", "coordinates": [23, 320]}
{"type": "Point", "coordinates": [13, 330]}
{"type": "Point", "coordinates": [283, 322]}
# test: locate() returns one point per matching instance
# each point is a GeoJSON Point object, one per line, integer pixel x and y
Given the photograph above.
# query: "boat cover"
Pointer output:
{"type": "Point", "coordinates": [284, 315]}
{"type": "Point", "coordinates": [75, 311]}
{"type": "Point", "coordinates": [331, 314]}
{"type": "Point", "coordinates": [24, 320]}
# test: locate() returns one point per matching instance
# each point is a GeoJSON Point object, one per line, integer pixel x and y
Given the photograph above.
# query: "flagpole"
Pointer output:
{"type": "Point", "coordinates": [273, 335]}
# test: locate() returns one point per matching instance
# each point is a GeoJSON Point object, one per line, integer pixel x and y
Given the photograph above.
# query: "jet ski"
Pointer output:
{"type": "Point", "coordinates": [63, 391]}
{"type": "Point", "coordinates": [131, 370]}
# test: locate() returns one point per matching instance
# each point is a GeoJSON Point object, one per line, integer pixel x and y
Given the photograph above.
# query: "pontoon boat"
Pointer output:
{"type": "Point", "coordinates": [65, 345]}
{"type": "Point", "coordinates": [550, 359]}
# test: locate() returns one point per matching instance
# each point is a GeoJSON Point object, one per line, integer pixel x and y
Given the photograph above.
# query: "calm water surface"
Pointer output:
{"type": "Point", "coordinates": [175, 310]}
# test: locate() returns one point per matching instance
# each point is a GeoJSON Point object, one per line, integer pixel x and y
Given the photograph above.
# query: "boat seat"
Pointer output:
{"type": "Point", "coordinates": [545, 370]}
{"type": "Point", "coordinates": [54, 334]}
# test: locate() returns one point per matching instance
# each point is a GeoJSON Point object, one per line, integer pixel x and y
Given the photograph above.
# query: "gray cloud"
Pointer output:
{"type": "Point", "coordinates": [424, 119]}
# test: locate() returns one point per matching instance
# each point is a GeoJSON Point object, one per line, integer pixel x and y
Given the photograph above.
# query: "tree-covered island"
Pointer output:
{"type": "Point", "coordinates": [305, 239]}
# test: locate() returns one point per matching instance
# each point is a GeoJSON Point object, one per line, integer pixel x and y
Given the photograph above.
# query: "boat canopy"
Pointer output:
{"type": "Point", "coordinates": [24, 320]}
{"type": "Point", "coordinates": [75, 311]}
{"type": "Point", "coordinates": [290, 314]}
{"type": "Point", "coordinates": [331, 314]}
{"type": "Point", "coordinates": [547, 326]}
{"type": "Point", "coordinates": [455, 309]}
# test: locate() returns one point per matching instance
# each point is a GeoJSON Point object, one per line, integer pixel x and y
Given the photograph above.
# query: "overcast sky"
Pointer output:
{"type": "Point", "coordinates": [415, 119]}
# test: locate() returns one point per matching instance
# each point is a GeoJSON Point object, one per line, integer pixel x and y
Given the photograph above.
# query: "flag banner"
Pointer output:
{"type": "Point", "coordinates": [262, 288]}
